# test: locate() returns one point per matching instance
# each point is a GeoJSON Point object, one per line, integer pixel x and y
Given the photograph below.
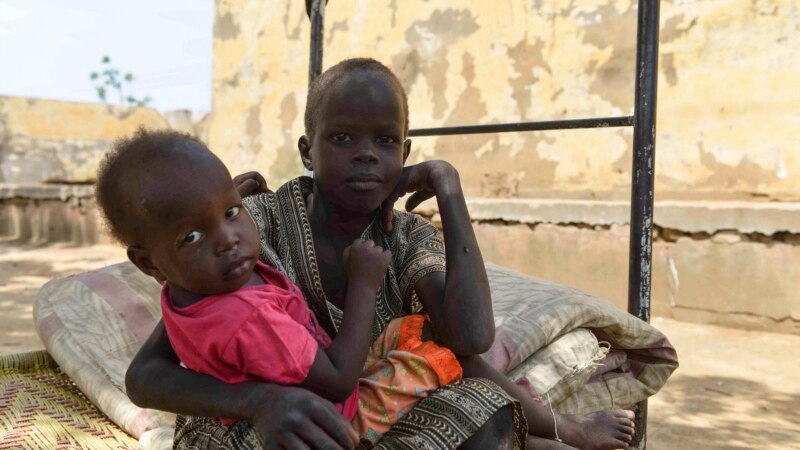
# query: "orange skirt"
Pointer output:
{"type": "Point", "coordinates": [400, 370]}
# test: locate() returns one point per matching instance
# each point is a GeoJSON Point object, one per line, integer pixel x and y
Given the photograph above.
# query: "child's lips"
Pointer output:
{"type": "Point", "coordinates": [239, 268]}
{"type": "Point", "coordinates": [365, 182]}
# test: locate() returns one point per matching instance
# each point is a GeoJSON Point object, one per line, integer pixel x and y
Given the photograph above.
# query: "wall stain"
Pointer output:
{"type": "Point", "coordinates": [542, 171]}
{"type": "Point", "coordinates": [253, 128]}
{"type": "Point", "coordinates": [614, 79]}
{"type": "Point", "coordinates": [406, 66]}
{"type": "Point", "coordinates": [336, 26]}
{"type": "Point", "coordinates": [294, 34]}
{"type": "Point", "coordinates": [287, 163]}
{"type": "Point", "coordinates": [393, 6]}
{"type": "Point", "coordinates": [494, 158]}
{"type": "Point", "coordinates": [525, 57]}
{"type": "Point", "coordinates": [624, 163]}
{"type": "Point", "coordinates": [745, 175]}
{"type": "Point", "coordinates": [225, 27]}
{"type": "Point", "coordinates": [668, 66]}
{"type": "Point", "coordinates": [469, 109]}
{"type": "Point", "coordinates": [432, 38]}
{"type": "Point", "coordinates": [672, 29]}
{"type": "Point", "coordinates": [765, 7]}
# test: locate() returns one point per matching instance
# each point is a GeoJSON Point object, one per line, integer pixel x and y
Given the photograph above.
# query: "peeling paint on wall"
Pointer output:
{"type": "Point", "coordinates": [728, 74]}
{"type": "Point", "coordinates": [225, 27]}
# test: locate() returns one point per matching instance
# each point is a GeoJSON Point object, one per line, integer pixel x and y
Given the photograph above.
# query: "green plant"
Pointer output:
{"type": "Point", "coordinates": [109, 78]}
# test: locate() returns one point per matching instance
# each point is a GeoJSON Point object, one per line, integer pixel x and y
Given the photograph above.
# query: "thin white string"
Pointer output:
{"type": "Point", "coordinates": [555, 425]}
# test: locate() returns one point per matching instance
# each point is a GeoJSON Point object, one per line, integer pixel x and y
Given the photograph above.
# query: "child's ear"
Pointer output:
{"type": "Point", "coordinates": [406, 149]}
{"type": "Point", "coordinates": [304, 146]}
{"type": "Point", "coordinates": [141, 259]}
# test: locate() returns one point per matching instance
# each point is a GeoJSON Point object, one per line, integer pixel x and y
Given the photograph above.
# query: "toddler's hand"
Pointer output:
{"type": "Point", "coordinates": [365, 262]}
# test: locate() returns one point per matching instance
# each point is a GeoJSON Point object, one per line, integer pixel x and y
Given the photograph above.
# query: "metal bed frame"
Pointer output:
{"type": "Point", "coordinates": [643, 121]}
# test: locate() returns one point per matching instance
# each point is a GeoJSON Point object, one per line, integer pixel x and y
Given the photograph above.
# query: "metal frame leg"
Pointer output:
{"type": "Point", "coordinates": [642, 183]}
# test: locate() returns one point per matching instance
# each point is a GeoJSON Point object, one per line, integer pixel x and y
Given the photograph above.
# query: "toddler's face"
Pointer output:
{"type": "Point", "coordinates": [201, 237]}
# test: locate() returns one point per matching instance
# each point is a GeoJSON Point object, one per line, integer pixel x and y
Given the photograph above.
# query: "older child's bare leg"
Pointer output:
{"type": "Point", "coordinates": [601, 430]}
{"type": "Point", "coordinates": [496, 433]}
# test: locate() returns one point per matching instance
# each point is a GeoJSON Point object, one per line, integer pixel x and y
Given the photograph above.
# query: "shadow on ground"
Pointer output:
{"type": "Point", "coordinates": [706, 412]}
{"type": "Point", "coordinates": [24, 269]}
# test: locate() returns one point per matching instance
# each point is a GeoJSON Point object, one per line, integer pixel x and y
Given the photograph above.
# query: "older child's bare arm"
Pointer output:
{"type": "Point", "coordinates": [336, 370]}
{"type": "Point", "coordinates": [279, 414]}
{"type": "Point", "coordinates": [459, 302]}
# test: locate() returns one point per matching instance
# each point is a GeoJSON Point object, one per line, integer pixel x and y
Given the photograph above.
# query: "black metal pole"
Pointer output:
{"type": "Point", "coordinates": [643, 175]}
{"type": "Point", "coordinates": [604, 122]}
{"type": "Point", "coordinates": [317, 16]}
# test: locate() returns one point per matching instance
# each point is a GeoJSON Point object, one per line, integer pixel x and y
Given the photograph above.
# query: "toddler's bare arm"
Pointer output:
{"type": "Point", "coordinates": [336, 370]}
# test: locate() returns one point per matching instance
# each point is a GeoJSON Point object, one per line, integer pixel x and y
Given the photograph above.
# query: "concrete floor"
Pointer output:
{"type": "Point", "coordinates": [735, 389]}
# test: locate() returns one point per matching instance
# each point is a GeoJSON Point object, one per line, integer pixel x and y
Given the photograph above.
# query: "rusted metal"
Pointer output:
{"type": "Point", "coordinates": [642, 182]}
{"type": "Point", "coordinates": [316, 12]}
{"type": "Point", "coordinates": [624, 121]}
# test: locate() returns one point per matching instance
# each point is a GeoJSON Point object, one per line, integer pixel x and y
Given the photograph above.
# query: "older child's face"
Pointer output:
{"type": "Point", "coordinates": [201, 238]}
{"type": "Point", "coordinates": [359, 146]}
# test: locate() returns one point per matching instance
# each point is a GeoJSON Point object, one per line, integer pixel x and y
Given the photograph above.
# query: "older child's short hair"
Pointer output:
{"type": "Point", "coordinates": [323, 83]}
{"type": "Point", "coordinates": [120, 206]}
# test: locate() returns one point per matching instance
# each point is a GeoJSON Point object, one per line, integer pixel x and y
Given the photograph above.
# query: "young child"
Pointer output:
{"type": "Point", "coordinates": [174, 205]}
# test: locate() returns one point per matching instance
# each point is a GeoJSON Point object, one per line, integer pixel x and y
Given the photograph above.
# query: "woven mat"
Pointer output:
{"type": "Point", "coordinates": [40, 408]}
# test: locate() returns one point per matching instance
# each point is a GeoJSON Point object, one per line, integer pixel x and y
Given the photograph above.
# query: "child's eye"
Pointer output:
{"type": "Point", "coordinates": [386, 140]}
{"type": "Point", "coordinates": [341, 137]}
{"type": "Point", "coordinates": [232, 212]}
{"type": "Point", "coordinates": [192, 237]}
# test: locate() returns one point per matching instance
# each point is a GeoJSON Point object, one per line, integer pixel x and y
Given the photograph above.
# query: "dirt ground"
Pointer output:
{"type": "Point", "coordinates": [735, 389]}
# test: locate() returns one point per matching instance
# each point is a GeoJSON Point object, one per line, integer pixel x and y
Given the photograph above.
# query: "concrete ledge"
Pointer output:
{"type": "Point", "coordinates": [47, 213]}
{"type": "Point", "coordinates": [36, 191]}
{"type": "Point", "coordinates": [688, 216]}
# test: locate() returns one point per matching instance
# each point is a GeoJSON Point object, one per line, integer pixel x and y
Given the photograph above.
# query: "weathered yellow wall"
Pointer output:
{"type": "Point", "coordinates": [727, 105]}
{"type": "Point", "coordinates": [55, 141]}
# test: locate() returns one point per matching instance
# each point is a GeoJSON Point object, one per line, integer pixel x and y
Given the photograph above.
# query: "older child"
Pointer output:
{"type": "Point", "coordinates": [355, 143]}
{"type": "Point", "coordinates": [356, 123]}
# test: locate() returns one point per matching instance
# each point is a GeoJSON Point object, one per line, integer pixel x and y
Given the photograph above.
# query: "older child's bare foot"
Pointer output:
{"type": "Point", "coordinates": [537, 443]}
{"type": "Point", "coordinates": [602, 430]}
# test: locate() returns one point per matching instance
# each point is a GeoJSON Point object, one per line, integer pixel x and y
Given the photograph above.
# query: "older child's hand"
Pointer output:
{"type": "Point", "coordinates": [296, 419]}
{"type": "Point", "coordinates": [250, 183]}
{"type": "Point", "coordinates": [365, 264]}
{"type": "Point", "coordinates": [425, 180]}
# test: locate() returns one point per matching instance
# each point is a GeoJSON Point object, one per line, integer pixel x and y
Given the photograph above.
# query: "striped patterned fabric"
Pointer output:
{"type": "Point", "coordinates": [40, 408]}
{"type": "Point", "coordinates": [577, 352]}
{"type": "Point", "coordinates": [93, 324]}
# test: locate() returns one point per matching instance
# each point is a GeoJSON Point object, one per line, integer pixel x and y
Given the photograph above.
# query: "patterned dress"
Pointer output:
{"type": "Point", "coordinates": [445, 419]}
